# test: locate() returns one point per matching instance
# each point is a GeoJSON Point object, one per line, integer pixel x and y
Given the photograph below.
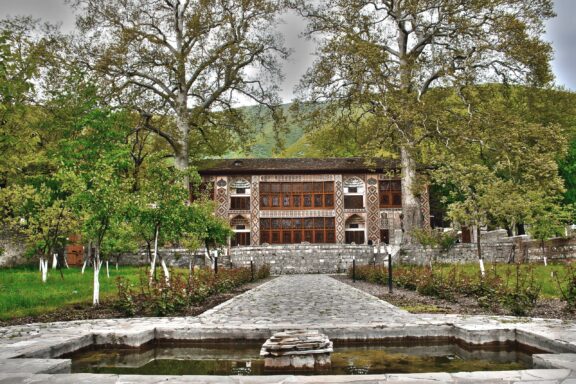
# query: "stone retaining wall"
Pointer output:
{"type": "Point", "coordinates": [174, 257]}
{"type": "Point", "coordinates": [511, 249]}
{"type": "Point", "coordinates": [304, 258]}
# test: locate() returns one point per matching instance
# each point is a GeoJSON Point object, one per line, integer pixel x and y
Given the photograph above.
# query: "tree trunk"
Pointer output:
{"type": "Point", "coordinates": [97, 265]}
{"type": "Point", "coordinates": [154, 256]}
{"type": "Point", "coordinates": [544, 252]}
{"type": "Point", "coordinates": [88, 256]}
{"type": "Point", "coordinates": [411, 212]}
{"type": "Point", "coordinates": [107, 270]}
{"type": "Point", "coordinates": [54, 261]}
{"type": "Point", "coordinates": [479, 249]}
{"type": "Point", "coordinates": [166, 271]}
{"type": "Point", "coordinates": [182, 150]}
{"type": "Point", "coordinates": [44, 269]}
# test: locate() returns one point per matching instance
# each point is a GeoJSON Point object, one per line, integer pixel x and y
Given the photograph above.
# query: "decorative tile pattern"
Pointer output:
{"type": "Point", "coordinates": [239, 182]}
{"type": "Point", "coordinates": [425, 208]}
{"type": "Point", "coordinates": [255, 213]}
{"type": "Point", "coordinates": [221, 197]}
{"type": "Point", "coordinates": [297, 214]}
{"type": "Point", "coordinates": [339, 209]}
{"type": "Point", "coordinates": [373, 210]}
{"type": "Point", "coordinates": [295, 178]}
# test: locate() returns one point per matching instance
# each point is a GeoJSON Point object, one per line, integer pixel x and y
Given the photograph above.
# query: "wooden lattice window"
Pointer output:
{"type": "Point", "coordinates": [390, 194]}
{"type": "Point", "coordinates": [311, 195]}
{"type": "Point", "coordinates": [297, 230]}
{"type": "Point", "coordinates": [240, 203]}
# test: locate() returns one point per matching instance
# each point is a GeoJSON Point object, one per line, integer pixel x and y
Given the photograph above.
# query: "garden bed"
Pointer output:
{"type": "Point", "coordinates": [442, 292]}
{"type": "Point", "coordinates": [108, 310]}
{"type": "Point", "coordinates": [127, 294]}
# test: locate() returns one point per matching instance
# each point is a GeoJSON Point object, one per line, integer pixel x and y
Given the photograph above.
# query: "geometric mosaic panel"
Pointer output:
{"type": "Point", "coordinates": [255, 211]}
{"type": "Point", "coordinates": [425, 208]}
{"type": "Point", "coordinates": [339, 210]}
{"type": "Point", "coordinates": [373, 210]}
{"type": "Point", "coordinates": [221, 197]}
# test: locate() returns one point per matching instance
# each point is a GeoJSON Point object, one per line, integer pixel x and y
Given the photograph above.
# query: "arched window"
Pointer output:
{"type": "Point", "coordinates": [354, 193]}
{"type": "Point", "coordinates": [240, 195]}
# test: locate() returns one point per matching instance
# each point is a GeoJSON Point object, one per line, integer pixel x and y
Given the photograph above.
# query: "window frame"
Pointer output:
{"type": "Point", "coordinates": [297, 195]}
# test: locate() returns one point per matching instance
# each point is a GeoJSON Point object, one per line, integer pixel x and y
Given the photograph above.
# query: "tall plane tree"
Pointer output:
{"type": "Point", "coordinates": [184, 59]}
{"type": "Point", "coordinates": [379, 59]}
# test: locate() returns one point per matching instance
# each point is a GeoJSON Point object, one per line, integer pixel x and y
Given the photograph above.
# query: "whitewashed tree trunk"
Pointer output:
{"type": "Point", "coordinates": [154, 256]}
{"type": "Point", "coordinates": [107, 270]}
{"type": "Point", "coordinates": [166, 271]}
{"type": "Point", "coordinates": [97, 266]}
{"type": "Point", "coordinates": [482, 270]}
{"type": "Point", "coordinates": [44, 269]}
{"type": "Point", "coordinates": [88, 256]}
{"type": "Point", "coordinates": [54, 261]}
{"type": "Point", "coordinates": [66, 263]}
{"type": "Point", "coordinates": [40, 265]}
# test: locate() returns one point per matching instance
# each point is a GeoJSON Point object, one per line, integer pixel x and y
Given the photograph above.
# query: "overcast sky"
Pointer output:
{"type": "Point", "coordinates": [561, 31]}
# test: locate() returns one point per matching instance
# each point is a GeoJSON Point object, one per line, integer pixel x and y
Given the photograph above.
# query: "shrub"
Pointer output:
{"type": "Point", "coordinates": [435, 239]}
{"type": "Point", "coordinates": [521, 297]}
{"type": "Point", "coordinates": [125, 302]}
{"type": "Point", "coordinates": [164, 298]}
{"type": "Point", "coordinates": [567, 287]}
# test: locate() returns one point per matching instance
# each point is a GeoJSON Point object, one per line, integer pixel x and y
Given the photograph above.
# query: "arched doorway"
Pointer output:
{"type": "Point", "coordinates": [241, 228]}
{"type": "Point", "coordinates": [355, 230]}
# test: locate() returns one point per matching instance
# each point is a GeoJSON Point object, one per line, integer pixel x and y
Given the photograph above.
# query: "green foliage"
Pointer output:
{"type": "Point", "coordinates": [549, 219]}
{"type": "Point", "coordinates": [435, 239]}
{"type": "Point", "coordinates": [43, 215]}
{"type": "Point", "coordinates": [182, 291]}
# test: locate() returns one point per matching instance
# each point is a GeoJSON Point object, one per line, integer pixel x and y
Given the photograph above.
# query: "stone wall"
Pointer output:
{"type": "Point", "coordinates": [12, 250]}
{"type": "Point", "coordinates": [304, 258]}
{"type": "Point", "coordinates": [174, 257]}
{"type": "Point", "coordinates": [509, 249]}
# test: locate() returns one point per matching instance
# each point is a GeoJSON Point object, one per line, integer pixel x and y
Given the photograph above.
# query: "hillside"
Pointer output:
{"type": "Point", "coordinates": [292, 139]}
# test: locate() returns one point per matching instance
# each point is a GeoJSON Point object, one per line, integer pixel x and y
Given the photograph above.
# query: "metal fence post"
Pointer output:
{"type": "Point", "coordinates": [353, 269]}
{"type": "Point", "coordinates": [389, 273]}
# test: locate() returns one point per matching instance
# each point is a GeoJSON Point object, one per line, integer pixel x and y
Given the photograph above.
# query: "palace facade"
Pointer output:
{"type": "Point", "coordinates": [316, 201]}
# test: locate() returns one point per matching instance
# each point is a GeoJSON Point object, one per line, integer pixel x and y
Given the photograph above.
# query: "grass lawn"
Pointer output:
{"type": "Point", "coordinates": [22, 292]}
{"type": "Point", "coordinates": [542, 274]}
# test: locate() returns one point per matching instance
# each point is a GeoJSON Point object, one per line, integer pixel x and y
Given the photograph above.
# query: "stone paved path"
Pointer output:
{"type": "Point", "coordinates": [304, 300]}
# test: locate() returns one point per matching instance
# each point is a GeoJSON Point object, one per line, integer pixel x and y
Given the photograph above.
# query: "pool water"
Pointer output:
{"type": "Point", "coordinates": [193, 358]}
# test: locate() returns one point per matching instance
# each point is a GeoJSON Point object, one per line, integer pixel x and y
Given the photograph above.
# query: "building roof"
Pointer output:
{"type": "Point", "coordinates": [298, 165]}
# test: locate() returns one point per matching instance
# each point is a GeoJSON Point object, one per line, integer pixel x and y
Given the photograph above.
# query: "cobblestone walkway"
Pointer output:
{"type": "Point", "coordinates": [301, 300]}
